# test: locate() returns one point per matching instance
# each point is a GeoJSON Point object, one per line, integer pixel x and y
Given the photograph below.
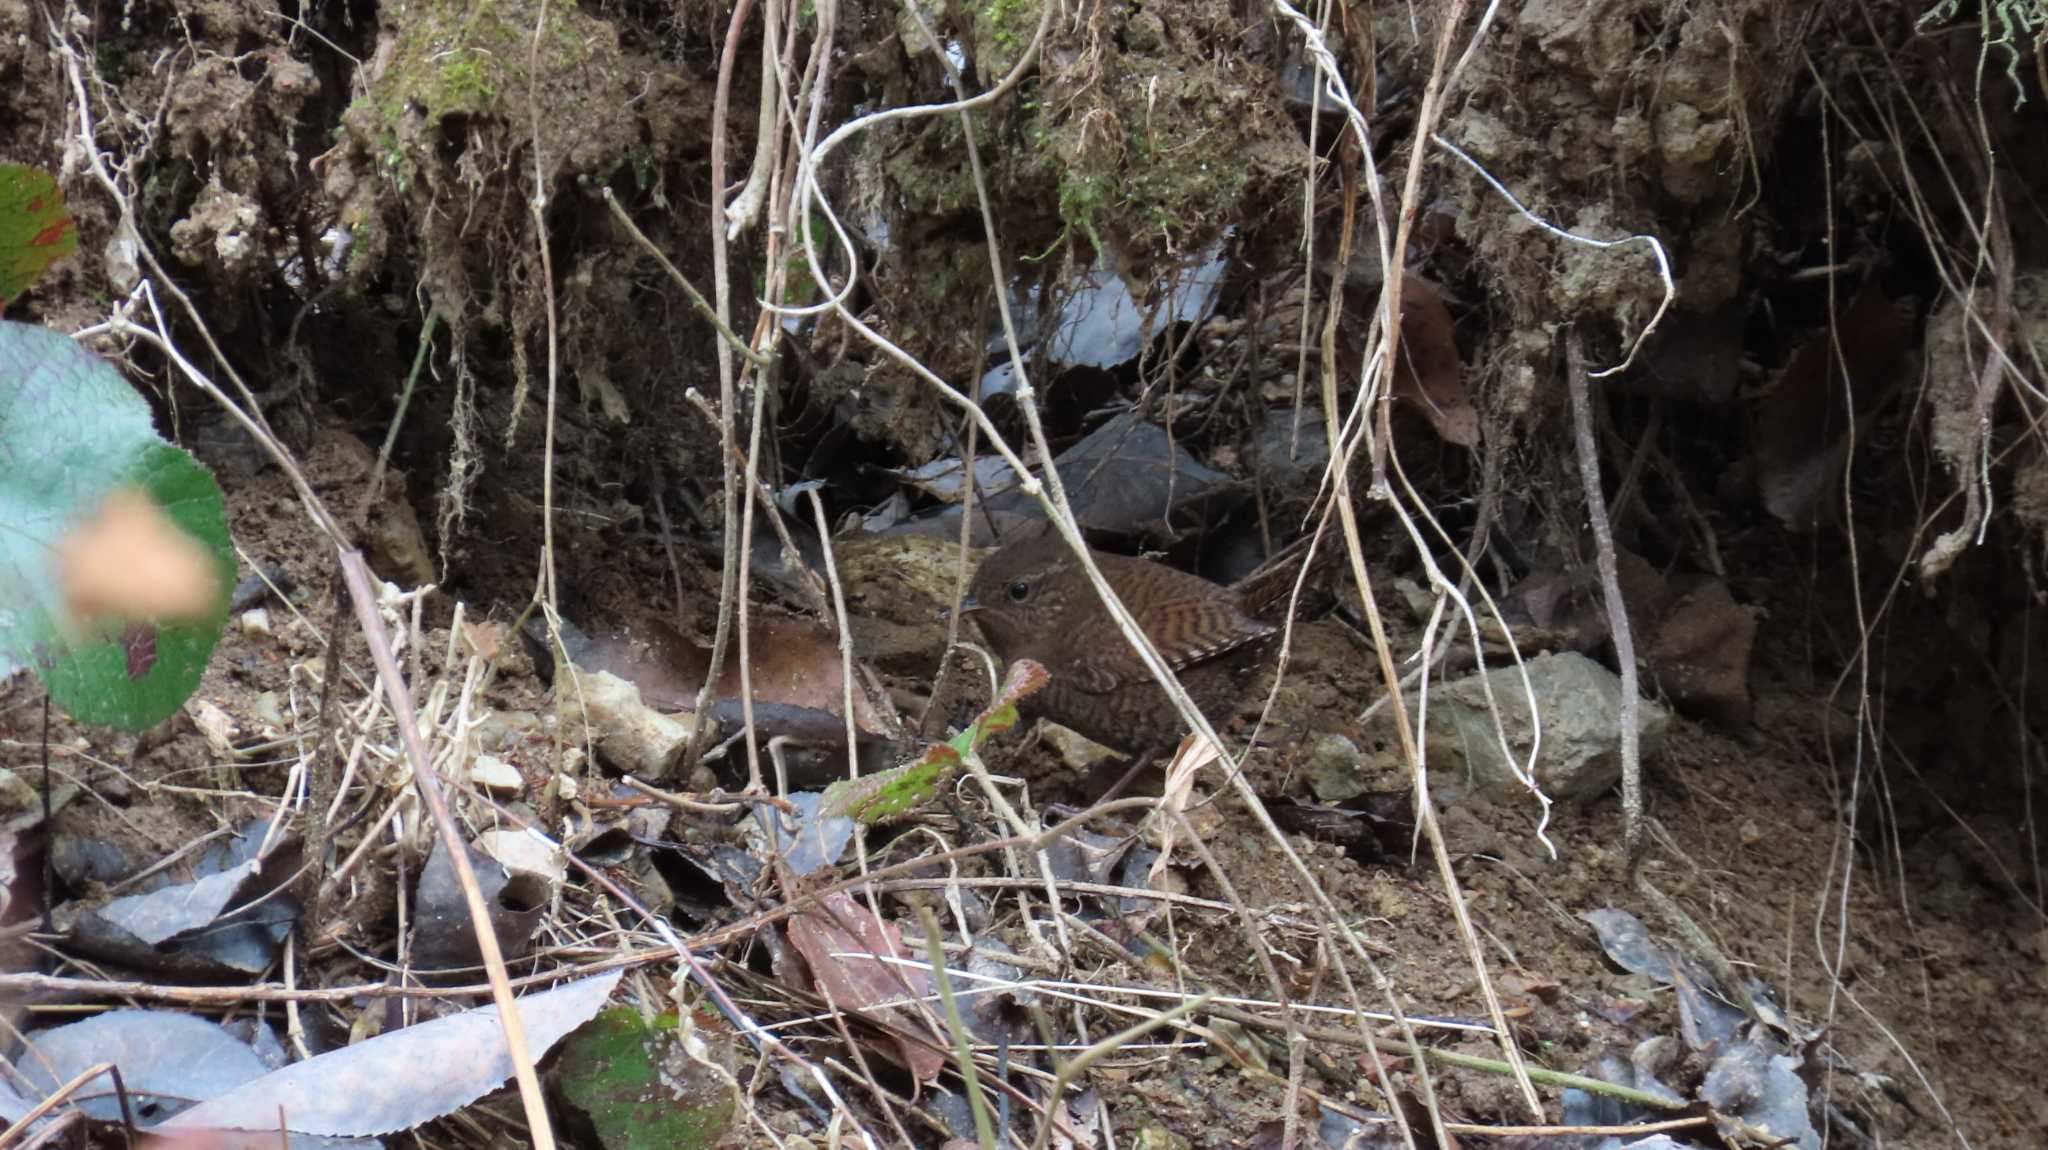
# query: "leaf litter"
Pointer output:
{"type": "Point", "coordinates": [1170, 402]}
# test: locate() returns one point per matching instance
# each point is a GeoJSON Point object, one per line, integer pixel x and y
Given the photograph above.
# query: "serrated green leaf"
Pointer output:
{"type": "Point", "coordinates": [71, 432]}
{"type": "Point", "coordinates": [35, 230]}
{"type": "Point", "coordinates": [884, 795]}
{"type": "Point", "coordinates": [638, 1086]}
{"type": "Point", "coordinates": [142, 675]}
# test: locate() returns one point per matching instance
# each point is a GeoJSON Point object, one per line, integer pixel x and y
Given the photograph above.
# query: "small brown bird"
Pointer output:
{"type": "Point", "coordinates": [1033, 601]}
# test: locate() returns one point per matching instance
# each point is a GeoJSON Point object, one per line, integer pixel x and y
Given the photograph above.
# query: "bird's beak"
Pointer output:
{"type": "Point", "coordinates": [967, 607]}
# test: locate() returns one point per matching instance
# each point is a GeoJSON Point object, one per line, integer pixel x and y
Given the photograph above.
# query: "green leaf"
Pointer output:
{"type": "Point", "coordinates": [72, 432]}
{"type": "Point", "coordinates": [638, 1085]}
{"type": "Point", "coordinates": [35, 230]}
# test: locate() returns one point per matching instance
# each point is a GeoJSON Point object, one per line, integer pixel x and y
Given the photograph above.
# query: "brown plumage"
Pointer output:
{"type": "Point", "coordinates": [1033, 601]}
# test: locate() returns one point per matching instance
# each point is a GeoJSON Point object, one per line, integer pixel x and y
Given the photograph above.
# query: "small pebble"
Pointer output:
{"type": "Point", "coordinates": [256, 623]}
{"type": "Point", "coordinates": [520, 851]}
{"type": "Point", "coordinates": [495, 775]}
{"type": "Point", "coordinates": [501, 729]}
{"type": "Point", "coordinates": [266, 709]}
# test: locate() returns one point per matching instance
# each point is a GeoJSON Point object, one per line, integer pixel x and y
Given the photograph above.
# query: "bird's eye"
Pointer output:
{"type": "Point", "coordinates": [1020, 591]}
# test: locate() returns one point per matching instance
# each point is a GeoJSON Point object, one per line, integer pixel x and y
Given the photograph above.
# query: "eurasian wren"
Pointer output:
{"type": "Point", "coordinates": [1033, 601]}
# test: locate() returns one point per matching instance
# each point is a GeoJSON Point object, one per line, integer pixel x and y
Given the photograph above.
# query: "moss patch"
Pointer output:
{"type": "Point", "coordinates": [469, 75]}
{"type": "Point", "coordinates": [1143, 133]}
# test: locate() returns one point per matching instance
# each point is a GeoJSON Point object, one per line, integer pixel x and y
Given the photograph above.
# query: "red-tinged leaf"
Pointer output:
{"type": "Point", "coordinates": [872, 799]}
{"type": "Point", "coordinates": [1024, 678]}
{"type": "Point", "coordinates": [138, 642]}
{"type": "Point", "coordinates": [35, 230]}
{"type": "Point", "coordinates": [857, 961]}
{"type": "Point", "coordinates": [797, 682]}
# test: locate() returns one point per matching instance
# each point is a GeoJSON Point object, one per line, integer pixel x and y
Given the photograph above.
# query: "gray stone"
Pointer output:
{"type": "Point", "coordinates": [1333, 773]}
{"type": "Point", "coordinates": [1579, 757]}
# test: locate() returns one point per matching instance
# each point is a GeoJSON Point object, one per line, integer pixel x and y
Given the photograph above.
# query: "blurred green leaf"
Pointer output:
{"type": "Point", "coordinates": [73, 432]}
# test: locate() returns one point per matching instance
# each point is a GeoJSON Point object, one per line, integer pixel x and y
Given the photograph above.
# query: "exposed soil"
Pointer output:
{"type": "Point", "coordinates": [1843, 803]}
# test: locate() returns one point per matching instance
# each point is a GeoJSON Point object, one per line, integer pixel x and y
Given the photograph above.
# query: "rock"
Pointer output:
{"type": "Point", "coordinates": [216, 725]}
{"type": "Point", "coordinates": [524, 854]}
{"type": "Point", "coordinates": [393, 540]}
{"type": "Point", "coordinates": [1333, 772]}
{"type": "Point", "coordinates": [1465, 834]}
{"type": "Point", "coordinates": [267, 710]}
{"type": "Point", "coordinates": [1078, 752]}
{"type": "Point", "coordinates": [634, 737]}
{"type": "Point", "coordinates": [18, 797]}
{"type": "Point", "coordinates": [496, 776]}
{"type": "Point", "coordinates": [397, 547]}
{"type": "Point", "coordinates": [1580, 704]}
{"type": "Point", "coordinates": [499, 730]}
{"type": "Point", "coordinates": [1693, 637]}
{"type": "Point", "coordinates": [897, 589]}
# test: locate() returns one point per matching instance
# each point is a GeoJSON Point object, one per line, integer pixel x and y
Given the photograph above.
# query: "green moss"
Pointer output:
{"type": "Point", "coordinates": [1006, 25]}
{"type": "Point", "coordinates": [932, 173]}
{"type": "Point", "coordinates": [465, 83]}
{"type": "Point", "coordinates": [1161, 162]}
{"type": "Point", "coordinates": [1086, 196]}
{"type": "Point", "coordinates": [1001, 30]}
{"type": "Point", "coordinates": [479, 59]}
{"type": "Point", "coordinates": [453, 114]}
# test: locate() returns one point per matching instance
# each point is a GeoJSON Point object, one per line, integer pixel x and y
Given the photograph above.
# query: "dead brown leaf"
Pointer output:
{"type": "Point", "coordinates": [836, 937]}
{"type": "Point", "coordinates": [1802, 424]}
{"type": "Point", "coordinates": [798, 688]}
{"type": "Point", "coordinates": [1430, 372]}
{"type": "Point", "coordinates": [485, 638]}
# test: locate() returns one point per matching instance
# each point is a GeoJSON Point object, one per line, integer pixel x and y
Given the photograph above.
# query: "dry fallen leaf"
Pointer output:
{"type": "Point", "coordinates": [130, 560]}
{"type": "Point", "coordinates": [217, 725]}
{"type": "Point", "coordinates": [1430, 364]}
{"type": "Point", "coordinates": [401, 1079]}
{"type": "Point", "coordinates": [484, 638]}
{"type": "Point", "coordinates": [798, 689]}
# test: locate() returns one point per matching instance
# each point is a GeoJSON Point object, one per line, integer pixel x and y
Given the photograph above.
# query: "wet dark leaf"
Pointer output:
{"type": "Point", "coordinates": [640, 1088]}
{"type": "Point", "coordinates": [1629, 943]}
{"type": "Point", "coordinates": [168, 1062]}
{"type": "Point", "coordinates": [443, 935]}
